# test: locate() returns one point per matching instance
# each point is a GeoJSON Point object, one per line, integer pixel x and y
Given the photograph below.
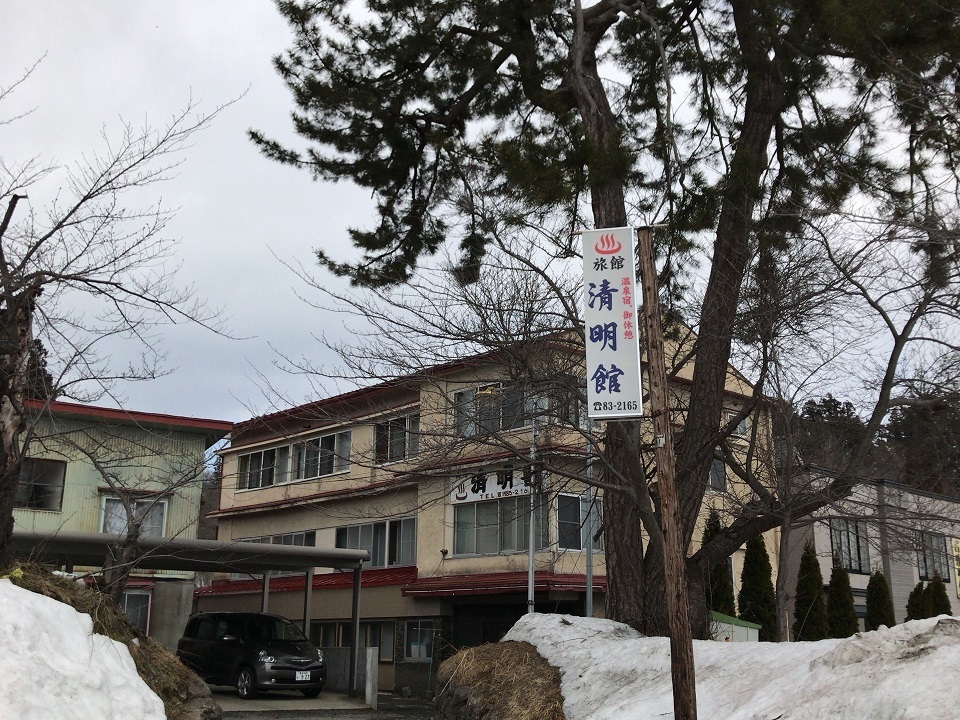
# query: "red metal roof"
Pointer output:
{"type": "Point", "coordinates": [495, 583]}
{"type": "Point", "coordinates": [56, 406]}
{"type": "Point", "coordinates": [327, 581]}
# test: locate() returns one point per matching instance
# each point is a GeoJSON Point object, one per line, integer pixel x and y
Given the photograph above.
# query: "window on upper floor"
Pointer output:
{"type": "Point", "coordinates": [304, 460]}
{"type": "Point", "coordinates": [259, 469]}
{"type": "Point", "coordinates": [390, 543]}
{"type": "Point", "coordinates": [742, 428]}
{"type": "Point", "coordinates": [572, 514]}
{"type": "Point", "coordinates": [397, 439]}
{"type": "Point", "coordinates": [497, 526]}
{"type": "Point", "coordinates": [718, 475]}
{"type": "Point", "coordinates": [41, 484]}
{"type": "Point", "coordinates": [932, 556]}
{"type": "Point", "coordinates": [321, 456]}
{"type": "Point", "coordinates": [492, 408]}
{"type": "Point", "coordinates": [849, 545]}
{"type": "Point", "coordinates": [151, 512]}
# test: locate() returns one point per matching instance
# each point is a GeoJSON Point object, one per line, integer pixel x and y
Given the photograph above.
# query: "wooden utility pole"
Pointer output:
{"type": "Point", "coordinates": [678, 619]}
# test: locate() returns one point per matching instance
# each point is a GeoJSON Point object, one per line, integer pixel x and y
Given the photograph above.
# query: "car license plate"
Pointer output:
{"type": "Point", "coordinates": [303, 674]}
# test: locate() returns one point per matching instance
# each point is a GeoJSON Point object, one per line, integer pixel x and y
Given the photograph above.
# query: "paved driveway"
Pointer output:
{"type": "Point", "coordinates": [293, 706]}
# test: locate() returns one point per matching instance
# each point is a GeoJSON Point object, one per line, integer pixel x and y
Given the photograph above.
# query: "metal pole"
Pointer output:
{"type": "Point", "coordinates": [588, 600]}
{"type": "Point", "coordinates": [675, 576]}
{"type": "Point", "coordinates": [307, 600]}
{"type": "Point", "coordinates": [533, 517]}
{"type": "Point", "coordinates": [265, 600]}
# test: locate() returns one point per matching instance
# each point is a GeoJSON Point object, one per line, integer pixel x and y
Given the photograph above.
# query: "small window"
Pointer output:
{"type": "Point", "coordinates": [136, 606]}
{"type": "Point", "coordinates": [742, 427]}
{"type": "Point", "coordinates": [497, 526]}
{"type": "Point", "coordinates": [848, 541]}
{"type": "Point", "coordinates": [718, 475]}
{"type": "Point", "coordinates": [932, 556]}
{"type": "Point", "coordinates": [257, 469]}
{"type": "Point", "coordinates": [322, 456]}
{"type": "Point", "coordinates": [418, 643]}
{"type": "Point", "coordinates": [492, 408]}
{"type": "Point", "coordinates": [41, 484]}
{"type": "Point", "coordinates": [572, 514]}
{"type": "Point", "coordinates": [389, 543]}
{"type": "Point", "coordinates": [151, 513]}
{"type": "Point", "coordinates": [397, 439]}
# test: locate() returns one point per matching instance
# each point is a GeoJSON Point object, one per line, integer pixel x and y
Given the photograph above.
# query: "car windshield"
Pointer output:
{"type": "Point", "coordinates": [270, 628]}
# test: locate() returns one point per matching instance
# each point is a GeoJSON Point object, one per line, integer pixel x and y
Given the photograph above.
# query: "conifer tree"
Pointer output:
{"type": "Point", "coordinates": [935, 598]}
{"type": "Point", "coordinates": [721, 584]}
{"type": "Point", "coordinates": [879, 603]}
{"type": "Point", "coordinates": [809, 609]}
{"type": "Point", "coordinates": [918, 603]}
{"type": "Point", "coordinates": [842, 618]}
{"type": "Point", "coordinates": [757, 600]}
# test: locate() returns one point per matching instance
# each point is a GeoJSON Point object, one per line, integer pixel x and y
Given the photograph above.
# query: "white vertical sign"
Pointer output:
{"type": "Point", "coordinates": [612, 324]}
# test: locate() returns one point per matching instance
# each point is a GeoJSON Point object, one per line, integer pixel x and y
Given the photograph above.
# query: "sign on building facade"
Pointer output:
{"type": "Point", "coordinates": [492, 485]}
{"type": "Point", "coordinates": [612, 324]}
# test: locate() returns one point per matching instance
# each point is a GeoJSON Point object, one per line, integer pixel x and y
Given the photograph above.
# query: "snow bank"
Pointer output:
{"type": "Point", "coordinates": [54, 667]}
{"type": "Point", "coordinates": [609, 672]}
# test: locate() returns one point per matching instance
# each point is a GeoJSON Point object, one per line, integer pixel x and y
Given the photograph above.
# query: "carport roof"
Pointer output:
{"type": "Point", "coordinates": [90, 549]}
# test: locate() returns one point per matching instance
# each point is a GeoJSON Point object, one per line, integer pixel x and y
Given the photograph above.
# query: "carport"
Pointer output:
{"type": "Point", "coordinates": [71, 549]}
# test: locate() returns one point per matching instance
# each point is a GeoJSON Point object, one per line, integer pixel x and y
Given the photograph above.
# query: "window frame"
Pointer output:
{"type": "Point", "coordinates": [584, 508]}
{"type": "Point", "coordinates": [406, 429]}
{"type": "Point", "coordinates": [30, 465]}
{"type": "Point", "coordinates": [717, 477]}
{"type": "Point", "coordinates": [296, 461]}
{"type": "Point", "coordinates": [420, 626]}
{"type": "Point", "coordinates": [930, 558]}
{"type": "Point", "coordinates": [154, 502]}
{"type": "Point", "coordinates": [502, 407]}
{"type": "Point", "coordinates": [515, 525]}
{"type": "Point", "coordinates": [391, 543]}
{"type": "Point", "coordinates": [140, 592]}
{"type": "Point", "coordinates": [850, 544]}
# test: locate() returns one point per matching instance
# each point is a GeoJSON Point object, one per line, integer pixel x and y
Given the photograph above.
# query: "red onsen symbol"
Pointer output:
{"type": "Point", "coordinates": [607, 245]}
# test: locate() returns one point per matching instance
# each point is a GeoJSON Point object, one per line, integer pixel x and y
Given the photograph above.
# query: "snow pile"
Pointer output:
{"type": "Point", "coordinates": [55, 668]}
{"type": "Point", "coordinates": [608, 671]}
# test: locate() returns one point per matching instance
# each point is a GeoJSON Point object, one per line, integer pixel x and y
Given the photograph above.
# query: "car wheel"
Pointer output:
{"type": "Point", "coordinates": [311, 693]}
{"type": "Point", "coordinates": [246, 684]}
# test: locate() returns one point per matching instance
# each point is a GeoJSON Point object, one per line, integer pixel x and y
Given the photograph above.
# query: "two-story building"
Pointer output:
{"type": "Point", "coordinates": [86, 467]}
{"type": "Point", "coordinates": [909, 534]}
{"type": "Point", "coordinates": [440, 476]}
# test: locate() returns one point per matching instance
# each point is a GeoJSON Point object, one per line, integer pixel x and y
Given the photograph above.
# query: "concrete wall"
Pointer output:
{"type": "Point", "coordinates": [169, 610]}
{"type": "Point", "coordinates": [338, 672]}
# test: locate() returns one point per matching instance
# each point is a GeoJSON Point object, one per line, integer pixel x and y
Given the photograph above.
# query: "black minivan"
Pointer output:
{"type": "Point", "coordinates": [254, 652]}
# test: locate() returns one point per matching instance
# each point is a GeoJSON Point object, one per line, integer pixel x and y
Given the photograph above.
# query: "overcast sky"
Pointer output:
{"type": "Point", "coordinates": [143, 61]}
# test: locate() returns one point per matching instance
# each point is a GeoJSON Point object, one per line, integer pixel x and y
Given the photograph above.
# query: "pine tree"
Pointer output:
{"type": "Point", "coordinates": [841, 616]}
{"type": "Point", "coordinates": [879, 603]}
{"type": "Point", "coordinates": [809, 609]}
{"type": "Point", "coordinates": [935, 598]}
{"type": "Point", "coordinates": [757, 600]}
{"type": "Point", "coordinates": [918, 603]}
{"type": "Point", "coordinates": [720, 588]}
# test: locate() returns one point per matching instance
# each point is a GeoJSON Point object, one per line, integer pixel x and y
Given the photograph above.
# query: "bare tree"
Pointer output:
{"type": "Point", "coordinates": [91, 267]}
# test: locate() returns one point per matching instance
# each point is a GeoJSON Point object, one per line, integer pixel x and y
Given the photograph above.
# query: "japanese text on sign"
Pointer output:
{"type": "Point", "coordinates": [613, 349]}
